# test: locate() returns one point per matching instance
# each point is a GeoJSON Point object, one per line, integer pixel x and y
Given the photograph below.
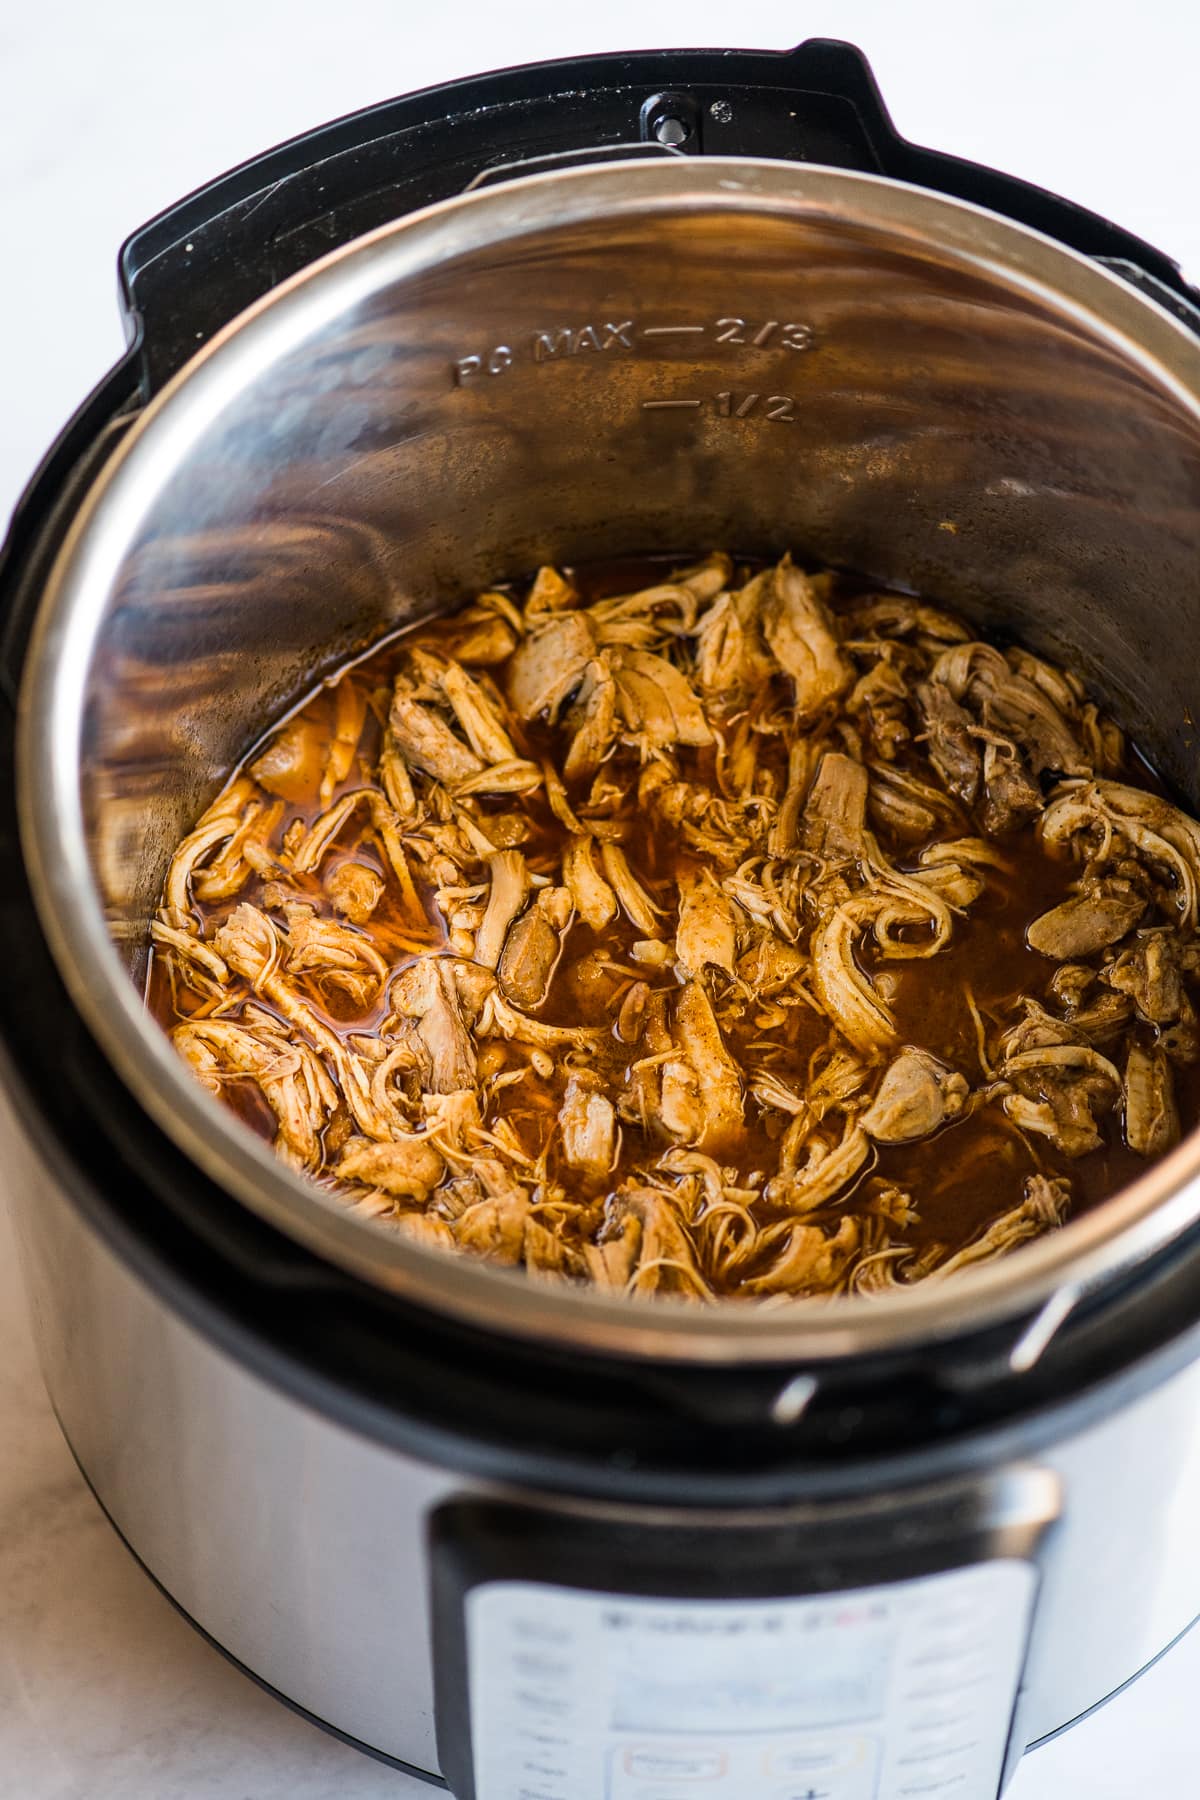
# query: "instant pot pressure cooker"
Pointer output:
{"type": "Point", "coordinates": [536, 1544]}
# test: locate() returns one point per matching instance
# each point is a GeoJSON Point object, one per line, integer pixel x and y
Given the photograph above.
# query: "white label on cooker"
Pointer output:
{"type": "Point", "coordinates": [899, 1692]}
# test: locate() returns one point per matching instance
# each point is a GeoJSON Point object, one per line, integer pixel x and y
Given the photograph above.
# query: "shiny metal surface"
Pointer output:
{"type": "Point", "coordinates": [300, 1546]}
{"type": "Point", "coordinates": [589, 363]}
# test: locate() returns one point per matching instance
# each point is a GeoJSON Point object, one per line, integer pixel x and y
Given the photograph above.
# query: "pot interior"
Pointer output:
{"type": "Point", "coordinates": [596, 364]}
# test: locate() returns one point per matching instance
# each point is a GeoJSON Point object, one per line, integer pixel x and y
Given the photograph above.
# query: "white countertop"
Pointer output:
{"type": "Point", "coordinates": [108, 114]}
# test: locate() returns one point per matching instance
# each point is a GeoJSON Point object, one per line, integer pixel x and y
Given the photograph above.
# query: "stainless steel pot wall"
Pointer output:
{"type": "Point", "coordinates": [589, 363]}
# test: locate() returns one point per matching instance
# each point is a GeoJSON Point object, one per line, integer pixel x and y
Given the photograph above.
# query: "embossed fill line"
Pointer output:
{"type": "Point", "coordinates": [669, 330]}
{"type": "Point", "coordinates": [662, 405]}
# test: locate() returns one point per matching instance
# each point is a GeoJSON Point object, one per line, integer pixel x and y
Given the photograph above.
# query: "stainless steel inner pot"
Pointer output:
{"type": "Point", "coordinates": [648, 356]}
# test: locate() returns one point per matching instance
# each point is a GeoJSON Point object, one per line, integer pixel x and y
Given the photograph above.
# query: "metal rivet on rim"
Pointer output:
{"type": "Point", "coordinates": [792, 1399]}
{"type": "Point", "coordinates": [672, 131]}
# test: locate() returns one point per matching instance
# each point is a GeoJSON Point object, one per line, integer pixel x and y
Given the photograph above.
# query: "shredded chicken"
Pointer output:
{"type": "Point", "coordinates": [740, 934]}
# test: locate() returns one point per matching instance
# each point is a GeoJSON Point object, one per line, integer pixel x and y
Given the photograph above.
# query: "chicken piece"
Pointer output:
{"type": "Point", "coordinates": [495, 1227]}
{"type": "Point", "coordinates": [799, 631]}
{"type": "Point", "coordinates": [355, 890]}
{"type": "Point", "coordinates": [424, 1230]}
{"type": "Point", "coordinates": [1018, 709]}
{"type": "Point", "coordinates": [334, 956]}
{"type": "Point", "coordinates": [917, 1096]}
{"type": "Point", "coordinates": [250, 945]}
{"type": "Point", "coordinates": [187, 950]}
{"type": "Point", "coordinates": [350, 711]}
{"type": "Point", "coordinates": [397, 782]}
{"type": "Point", "coordinates": [784, 834]}
{"type": "Point", "coordinates": [1058, 1090]}
{"type": "Point", "coordinates": [834, 825]}
{"type": "Point", "coordinates": [719, 1083]}
{"type": "Point", "coordinates": [646, 620]}
{"type": "Point", "coordinates": [949, 734]}
{"type": "Point", "coordinates": [507, 895]}
{"type": "Point", "coordinates": [828, 1169]}
{"type": "Point", "coordinates": [1070, 983]}
{"type": "Point", "coordinates": [769, 965]}
{"type": "Point", "coordinates": [454, 1121]}
{"type": "Point", "coordinates": [1011, 796]}
{"type": "Point", "coordinates": [533, 947]}
{"type": "Point", "coordinates": [592, 720]}
{"type": "Point", "coordinates": [1063, 689]}
{"type": "Point", "coordinates": [253, 949]}
{"type": "Point", "coordinates": [911, 808]}
{"type": "Point", "coordinates": [636, 903]}
{"type": "Point", "coordinates": [667, 1261]}
{"type": "Point", "coordinates": [1149, 973]}
{"type": "Point", "coordinates": [291, 1076]}
{"type": "Point", "coordinates": [706, 935]}
{"type": "Point", "coordinates": [547, 1258]}
{"type": "Point", "coordinates": [426, 992]}
{"type": "Point", "coordinates": [1043, 1208]}
{"type": "Point", "coordinates": [293, 761]}
{"type": "Point", "coordinates": [909, 915]}
{"type": "Point", "coordinates": [632, 1012]}
{"type": "Point", "coordinates": [560, 801]}
{"type": "Point", "coordinates": [407, 1167]}
{"type": "Point", "coordinates": [1097, 813]}
{"type": "Point", "coordinates": [516, 776]}
{"type": "Point", "coordinates": [215, 826]}
{"type": "Point", "coordinates": [1088, 922]}
{"type": "Point", "coordinates": [953, 869]}
{"type": "Point", "coordinates": [311, 850]}
{"type": "Point", "coordinates": [897, 616]}
{"type": "Point", "coordinates": [483, 638]}
{"type": "Point", "coordinates": [1101, 1022]}
{"type": "Point", "coordinates": [478, 716]}
{"type": "Point", "coordinates": [732, 662]}
{"type": "Point", "coordinates": [498, 1016]}
{"type": "Point", "coordinates": [846, 995]}
{"type": "Point", "coordinates": [588, 1127]}
{"type": "Point", "coordinates": [244, 854]}
{"type": "Point", "coordinates": [425, 739]}
{"type": "Point", "coordinates": [1151, 1115]}
{"type": "Point", "coordinates": [656, 703]}
{"type": "Point", "coordinates": [810, 1262]}
{"type": "Point", "coordinates": [592, 897]}
{"type": "Point", "coordinates": [550, 593]}
{"type": "Point", "coordinates": [878, 701]}
{"type": "Point", "coordinates": [550, 665]}
{"type": "Point", "coordinates": [707, 578]}
{"type": "Point", "coordinates": [678, 1110]}
{"type": "Point", "coordinates": [612, 1259]}
{"type": "Point", "coordinates": [1103, 741]}
{"type": "Point", "coordinates": [1010, 706]}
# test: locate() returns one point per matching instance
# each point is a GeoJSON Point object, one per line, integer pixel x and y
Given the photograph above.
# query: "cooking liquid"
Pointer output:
{"type": "Point", "coordinates": [961, 1179]}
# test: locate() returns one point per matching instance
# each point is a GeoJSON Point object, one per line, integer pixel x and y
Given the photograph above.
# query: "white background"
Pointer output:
{"type": "Point", "coordinates": [110, 111]}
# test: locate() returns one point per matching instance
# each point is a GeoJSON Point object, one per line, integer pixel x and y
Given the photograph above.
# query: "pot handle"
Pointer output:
{"type": "Point", "coordinates": [850, 1647]}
